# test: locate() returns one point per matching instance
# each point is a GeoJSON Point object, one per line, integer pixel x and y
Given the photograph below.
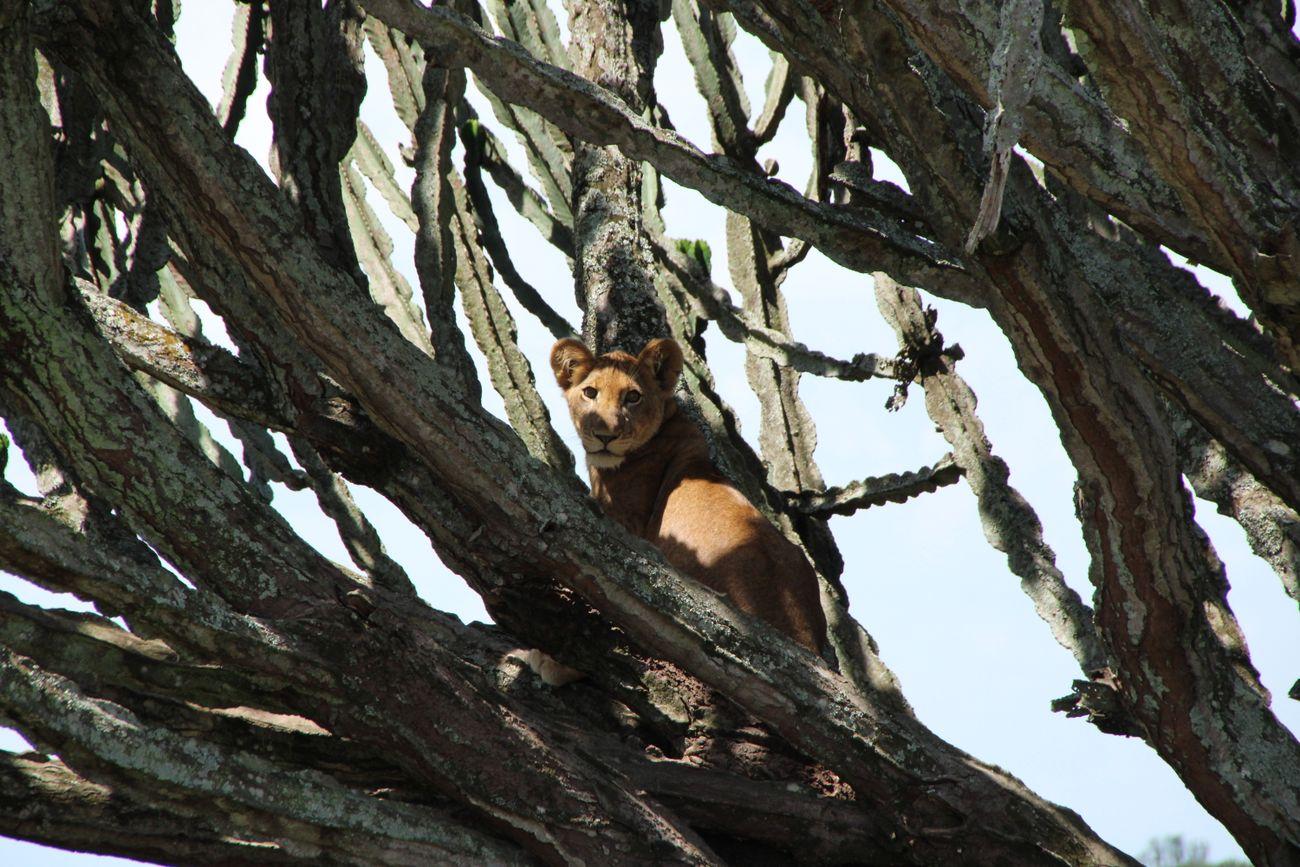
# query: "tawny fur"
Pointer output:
{"type": "Point", "coordinates": [651, 472]}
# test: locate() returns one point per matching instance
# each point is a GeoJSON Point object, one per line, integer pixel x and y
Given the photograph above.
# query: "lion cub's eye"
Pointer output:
{"type": "Point", "coordinates": [589, 392]}
{"type": "Point", "coordinates": [632, 397]}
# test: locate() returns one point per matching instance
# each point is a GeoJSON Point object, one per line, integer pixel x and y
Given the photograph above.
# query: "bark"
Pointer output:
{"type": "Point", "coordinates": [1235, 138]}
{"type": "Point", "coordinates": [1010, 524]}
{"type": "Point", "coordinates": [45, 801]}
{"type": "Point", "coordinates": [1272, 528]}
{"type": "Point", "coordinates": [576, 106]}
{"type": "Point", "coordinates": [271, 705]}
{"type": "Point", "coordinates": [240, 78]}
{"type": "Point", "coordinates": [1160, 588]}
{"type": "Point", "coordinates": [568, 542]}
{"type": "Point", "coordinates": [434, 206]}
{"type": "Point", "coordinates": [314, 63]}
{"type": "Point", "coordinates": [614, 45]}
{"type": "Point", "coordinates": [1066, 123]}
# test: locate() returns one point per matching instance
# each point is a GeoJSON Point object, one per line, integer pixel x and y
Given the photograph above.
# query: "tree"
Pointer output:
{"type": "Point", "coordinates": [1176, 852]}
{"type": "Point", "coordinates": [261, 702]}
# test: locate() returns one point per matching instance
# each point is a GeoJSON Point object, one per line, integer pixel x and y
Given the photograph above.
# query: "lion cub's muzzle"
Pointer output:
{"type": "Point", "coordinates": [606, 445]}
{"type": "Point", "coordinates": [612, 443]}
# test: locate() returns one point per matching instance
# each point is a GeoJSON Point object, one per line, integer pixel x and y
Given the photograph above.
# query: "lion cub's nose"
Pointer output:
{"type": "Point", "coordinates": [606, 438]}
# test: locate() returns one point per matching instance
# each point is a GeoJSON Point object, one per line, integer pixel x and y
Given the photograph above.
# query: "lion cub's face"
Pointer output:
{"type": "Point", "coordinates": [617, 402]}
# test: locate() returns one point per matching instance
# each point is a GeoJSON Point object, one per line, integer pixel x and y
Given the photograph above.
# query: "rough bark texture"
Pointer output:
{"type": "Point", "coordinates": [614, 43]}
{"type": "Point", "coordinates": [1009, 522]}
{"type": "Point", "coordinates": [314, 63]}
{"type": "Point", "coordinates": [1160, 589]}
{"type": "Point", "coordinates": [263, 704]}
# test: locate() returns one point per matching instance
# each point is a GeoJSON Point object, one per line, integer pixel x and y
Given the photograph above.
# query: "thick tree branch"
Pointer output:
{"type": "Point", "coordinates": [1198, 354]}
{"type": "Point", "coordinates": [120, 443]}
{"type": "Point", "coordinates": [24, 141]}
{"type": "Point", "coordinates": [201, 518]}
{"type": "Point", "coordinates": [315, 66]}
{"type": "Point", "coordinates": [615, 45]}
{"type": "Point", "coordinates": [802, 828]}
{"type": "Point", "coordinates": [107, 660]}
{"type": "Point", "coordinates": [1213, 129]}
{"type": "Point", "coordinates": [99, 738]}
{"type": "Point", "coordinates": [45, 801]}
{"type": "Point", "coordinates": [193, 366]}
{"type": "Point", "coordinates": [1269, 36]}
{"type": "Point", "coordinates": [44, 549]}
{"type": "Point", "coordinates": [1065, 125]}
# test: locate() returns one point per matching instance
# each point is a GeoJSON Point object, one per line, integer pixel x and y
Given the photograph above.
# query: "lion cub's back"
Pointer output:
{"type": "Point", "coordinates": [710, 531]}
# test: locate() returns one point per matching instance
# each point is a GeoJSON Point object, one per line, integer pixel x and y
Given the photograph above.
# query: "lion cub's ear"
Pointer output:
{"type": "Point", "coordinates": [662, 360]}
{"type": "Point", "coordinates": [570, 362]}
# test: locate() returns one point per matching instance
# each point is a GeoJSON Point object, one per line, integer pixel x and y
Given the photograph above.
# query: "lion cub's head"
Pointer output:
{"type": "Point", "coordinates": [617, 402]}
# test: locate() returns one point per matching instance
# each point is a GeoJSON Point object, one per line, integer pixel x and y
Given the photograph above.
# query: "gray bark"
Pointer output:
{"type": "Point", "coordinates": [614, 44]}
{"type": "Point", "coordinates": [275, 706]}
{"type": "Point", "coordinates": [1156, 578]}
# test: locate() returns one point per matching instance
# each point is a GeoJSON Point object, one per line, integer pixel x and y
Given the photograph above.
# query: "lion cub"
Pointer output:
{"type": "Point", "coordinates": [650, 472]}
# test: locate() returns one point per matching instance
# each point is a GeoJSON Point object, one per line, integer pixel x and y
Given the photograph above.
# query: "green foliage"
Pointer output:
{"type": "Point", "coordinates": [472, 130]}
{"type": "Point", "coordinates": [697, 250]}
{"type": "Point", "coordinates": [1174, 851]}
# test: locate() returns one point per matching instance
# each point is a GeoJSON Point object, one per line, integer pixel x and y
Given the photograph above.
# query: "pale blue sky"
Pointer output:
{"type": "Point", "coordinates": [976, 663]}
